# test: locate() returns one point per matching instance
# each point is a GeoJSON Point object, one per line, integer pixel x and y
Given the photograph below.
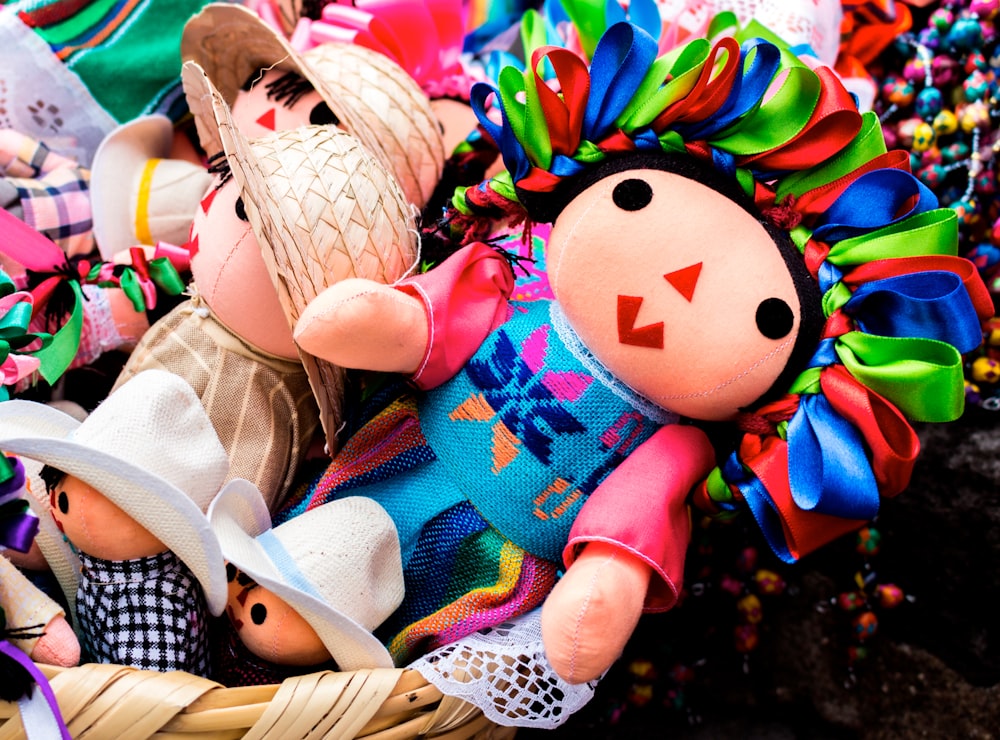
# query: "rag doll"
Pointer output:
{"type": "Point", "coordinates": [128, 487]}
{"type": "Point", "coordinates": [304, 596]}
{"type": "Point", "coordinates": [320, 209]}
{"type": "Point", "coordinates": [707, 265]}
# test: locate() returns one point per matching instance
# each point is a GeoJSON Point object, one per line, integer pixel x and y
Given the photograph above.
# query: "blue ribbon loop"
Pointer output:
{"type": "Point", "coordinates": [621, 60]}
{"type": "Point", "coordinates": [875, 199]}
{"type": "Point", "coordinates": [761, 506]}
{"type": "Point", "coordinates": [828, 469]}
{"type": "Point", "coordinates": [932, 304]}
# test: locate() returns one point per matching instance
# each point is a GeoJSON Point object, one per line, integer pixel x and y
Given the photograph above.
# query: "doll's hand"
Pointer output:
{"type": "Point", "coordinates": [359, 323]}
{"type": "Point", "coordinates": [592, 611]}
{"type": "Point", "coordinates": [58, 646]}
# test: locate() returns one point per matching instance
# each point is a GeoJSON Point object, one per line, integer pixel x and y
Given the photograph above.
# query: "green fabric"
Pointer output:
{"type": "Point", "coordinates": [130, 70]}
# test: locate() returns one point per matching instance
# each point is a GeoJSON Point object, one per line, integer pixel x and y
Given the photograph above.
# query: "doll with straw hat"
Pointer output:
{"type": "Point", "coordinates": [292, 213]}
{"type": "Point", "coordinates": [730, 242]}
{"type": "Point", "coordinates": [128, 488]}
{"type": "Point", "coordinates": [368, 94]}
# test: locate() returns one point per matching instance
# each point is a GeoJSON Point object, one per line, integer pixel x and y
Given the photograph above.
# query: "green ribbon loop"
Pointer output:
{"type": "Point", "coordinates": [57, 356]}
{"type": "Point", "coordinates": [781, 117]}
{"type": "Point", "coordinates": [921, 377]}
{"type": "Point", "coordinates": [928, 233]}
{"type": "Point", "coordinates": [683, 69]}
{"type": "Point", "coordinates": [129, 284]}
{"type": "Point", "coordinates": [165, 275]}
{"type": "Point", "coordinates": [866, 146]}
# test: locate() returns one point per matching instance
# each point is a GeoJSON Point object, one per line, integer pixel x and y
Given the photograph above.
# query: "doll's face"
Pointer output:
{"type": "Point", "coordinates": [228, 268]}
{"type": "Point", "coordinates": [277, 100]}
{"type": "Point", "coordinates": [676, 289]}
{"type": "Point", "coordinates": [268, 626]}
{"type": "Point", "coordinates": [97, 526]}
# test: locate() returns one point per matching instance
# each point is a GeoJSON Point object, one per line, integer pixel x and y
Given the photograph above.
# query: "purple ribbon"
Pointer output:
{"type": "Point", "coordinates": [43, 684]}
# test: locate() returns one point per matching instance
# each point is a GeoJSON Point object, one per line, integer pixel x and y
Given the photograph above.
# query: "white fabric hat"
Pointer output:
{"type": "Point", "coordinates": [139, 195]}
{"type": "Point", "coordinates": [152, 450]}
{"type": "Point", "coordinates": [338, 566]}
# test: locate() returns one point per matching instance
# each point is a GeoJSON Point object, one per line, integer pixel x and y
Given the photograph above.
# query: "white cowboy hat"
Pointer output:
{"type": "Point", "coordinates": [139, 195]}
{"type": "Point", "coordinates": [338, 566]}
{"type": "Point", "coordinates": [322, 207]}
{"type": "Point", "coordinates": [151, 449]}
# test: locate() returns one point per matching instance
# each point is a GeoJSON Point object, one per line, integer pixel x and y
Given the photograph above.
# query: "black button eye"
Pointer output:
{"type": "Point", "coordinates": [321, 115]}
{"type": "Point", "coordinates": [632, 194]}
{"type": "Point", "coordinates": [775, 318]}
{"type": "Point", "coordinates": [258, 613]}
{"type": "Point", "coordinates": [241, 211]}
{"type": "Point", "coordinates": [63, 502]}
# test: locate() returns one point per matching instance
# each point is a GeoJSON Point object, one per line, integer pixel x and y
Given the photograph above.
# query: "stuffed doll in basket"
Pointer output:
{"type": "Point", "coordinates": [128, 487]}
{"type": "Point", "coordinates": [731, 242]}
{"type": "Point", "coordinates": [305, 596]}
{"type": "Point", "coordinates": [306, 207]}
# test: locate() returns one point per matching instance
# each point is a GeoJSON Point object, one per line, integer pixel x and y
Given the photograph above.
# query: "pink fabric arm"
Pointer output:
{"type": "Point", "coordinates": [465, 298]}
{"type": "Point", "coordinates": [641, 508]}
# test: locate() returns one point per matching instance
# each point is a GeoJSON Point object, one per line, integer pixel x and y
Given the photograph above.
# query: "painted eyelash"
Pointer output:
{"type": "Point", "coordinates": [219, 165]}
{"type": "Point", "coordinates": [288, 89]}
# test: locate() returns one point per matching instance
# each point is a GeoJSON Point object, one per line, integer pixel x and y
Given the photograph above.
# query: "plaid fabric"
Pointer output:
{"type": "Point", "coordinates": [148, 613]}
{"type": "Point", "coordinates": [52, 191]}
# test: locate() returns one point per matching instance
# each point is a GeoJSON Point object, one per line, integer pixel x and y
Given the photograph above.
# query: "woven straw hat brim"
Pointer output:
{"type": "Point", "coordinates": [118, 161]}
{"type": "Point", "coordinates": [393, 106]}
{"type": "Point", "coordinates": [239, 517]}
{"type": "Point", "coordinates": [322, 209]}
{"type": "Point", "coordinates": [230, 42]}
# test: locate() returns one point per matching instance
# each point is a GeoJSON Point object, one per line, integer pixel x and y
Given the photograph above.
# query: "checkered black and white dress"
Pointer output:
{"type": "Point", "coordinates": [147, 613]}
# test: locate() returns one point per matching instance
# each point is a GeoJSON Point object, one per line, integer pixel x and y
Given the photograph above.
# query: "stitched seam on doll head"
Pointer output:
{"type": "Point", "coordinates": [229, 257]}
{"type": "Point", "coordinates": [586, 212]}
{"type": "Point", "coordinates": [733, 379]}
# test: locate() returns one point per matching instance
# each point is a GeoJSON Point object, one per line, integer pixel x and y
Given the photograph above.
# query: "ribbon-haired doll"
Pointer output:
{"type": "Point", "coordinates": [730, 242]}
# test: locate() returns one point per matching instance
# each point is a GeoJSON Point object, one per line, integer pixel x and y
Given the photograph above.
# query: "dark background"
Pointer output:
{"type": "Point", "coordinates": [933, 666]}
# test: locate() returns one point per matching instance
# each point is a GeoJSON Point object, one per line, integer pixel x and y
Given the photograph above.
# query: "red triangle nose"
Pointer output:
{"type": "Point", "coordinates": [267, 120]}
{"type": "Point", "coordinates": [685, 279]}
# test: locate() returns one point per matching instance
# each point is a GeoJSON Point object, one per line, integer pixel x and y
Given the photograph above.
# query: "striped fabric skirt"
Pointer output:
{"type": "Point", "coordinates": [461, 574]}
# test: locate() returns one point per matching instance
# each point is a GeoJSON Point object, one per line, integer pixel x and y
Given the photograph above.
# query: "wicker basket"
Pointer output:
{"type": "Point", "coordinates": [108, 701]}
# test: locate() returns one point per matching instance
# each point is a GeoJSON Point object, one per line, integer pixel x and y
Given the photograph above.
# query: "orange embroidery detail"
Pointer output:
{"type": "Point", "coordinates": [559, 486]}
{"type": "Point", "coordinates": [504, 447]}
{"type": "Point", "coordinates": [473, 408]}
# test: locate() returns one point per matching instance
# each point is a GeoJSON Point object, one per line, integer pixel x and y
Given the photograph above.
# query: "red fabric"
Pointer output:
{"type": "Point", "coordinates": [465, 298]}
{"type": "Point", "coordinates": [642, 508]}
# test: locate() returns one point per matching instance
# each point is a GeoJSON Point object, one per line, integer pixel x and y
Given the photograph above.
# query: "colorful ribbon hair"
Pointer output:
{"type": "Point", "coordinates": [900, 307]}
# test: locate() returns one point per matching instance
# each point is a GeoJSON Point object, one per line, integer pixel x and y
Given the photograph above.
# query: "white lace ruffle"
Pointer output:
{"type": "Point", "coordinates": [503, 671]}
{"type": "Point", "coordinates": [43, 99]}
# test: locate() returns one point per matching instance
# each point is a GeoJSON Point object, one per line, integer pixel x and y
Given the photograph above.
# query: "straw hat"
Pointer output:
{"type": "Point", "coordinates": [231, 42]}
{"type": "Point", "coordinates": [138, 194]}
{"type": "Point", "coordinates": [322, 209]}
{"type": "Point", "coordinates": [151, 449]}
{"type": "Point", "coordinates": [374, 98]}
{"type": "Point", "coordinates": [338, 565]}
{"type": "Point", "coordinates": [393, 105]}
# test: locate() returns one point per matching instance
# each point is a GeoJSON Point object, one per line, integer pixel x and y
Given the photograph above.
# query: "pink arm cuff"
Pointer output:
{"type": "Point", "coordinates": [642, 508]}
{"type": "Point", "coordinates": [465, 298]}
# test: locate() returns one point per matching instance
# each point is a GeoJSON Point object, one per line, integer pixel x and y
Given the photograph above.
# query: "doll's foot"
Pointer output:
{"type": "Point", "coordinates": [362, 324]}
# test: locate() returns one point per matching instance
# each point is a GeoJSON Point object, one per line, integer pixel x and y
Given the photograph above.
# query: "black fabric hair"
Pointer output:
{"type": "Point", "coordinates": [51, 476]}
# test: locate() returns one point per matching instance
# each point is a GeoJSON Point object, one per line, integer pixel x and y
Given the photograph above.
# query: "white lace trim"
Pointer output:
{"type": "Point", "coordinates": [45, 100]}
{"type": "Point", "coordinates": [503, 671]}
{"type": "Point", "coordinates": [578, 349]}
